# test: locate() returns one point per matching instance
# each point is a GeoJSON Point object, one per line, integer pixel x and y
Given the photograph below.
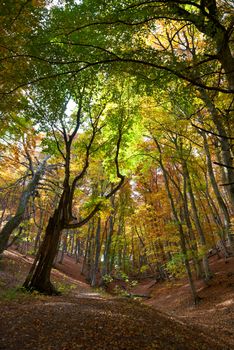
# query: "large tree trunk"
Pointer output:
{"type": "Point", "coordinates": [217, 193]}
{"type": "Point", "coordinates": [39, 275]}
{"type": "Point", "coordinates": [225, 57]}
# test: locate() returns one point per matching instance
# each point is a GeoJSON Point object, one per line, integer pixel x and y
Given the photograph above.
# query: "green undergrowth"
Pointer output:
{"type": "Point", "coordinates": [64, 287]}
{"type": "Point", "coordinates": [18, 294]}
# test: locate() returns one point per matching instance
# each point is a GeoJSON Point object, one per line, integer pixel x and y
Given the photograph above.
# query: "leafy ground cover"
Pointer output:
{"type": "Point", "coordinates": [82, 319]}
{"type": "Point", "coordinates": [214, 314]}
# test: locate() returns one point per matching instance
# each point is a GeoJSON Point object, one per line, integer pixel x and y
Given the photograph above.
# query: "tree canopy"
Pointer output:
{"type": "Point", "coordinates": [125, 109]}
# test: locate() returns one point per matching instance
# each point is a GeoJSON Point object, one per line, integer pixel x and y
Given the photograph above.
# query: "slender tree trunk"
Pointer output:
{"type": "Point", "coordinates": [195, 296]}
{"type": "Point", "coordinates": [199, 229]}
{"type": "Point", "coordinates": [64, 247]}
{"type": "Point", "coordinates": [109, 233]}
{"type": "Point", "coordinates": [39, 232]}
{"type": "Point", "coordinates": [4, 205]}
{"type": "Point", "coordinates": [133, 258]}
{"type": "Point", "coordinates": [226, 147]}
{"type": "Point", "coordinates": [72, 244]}
{"type": "Point", "coordinates": [192, 237]}
{"type": "Point", "coordinates": [217, 193]}
{"type": "Point", "coordinates": [97, 253]}
{"type": "Point", "coordinates": [14, 222]}
{"type": "Point", "coordinates": [78, 252]}
{"type": "Point", "coordinates": [87, 249]}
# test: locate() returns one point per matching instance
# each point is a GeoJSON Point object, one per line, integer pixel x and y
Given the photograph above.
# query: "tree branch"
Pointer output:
{"type": "Point", "coordinates": [110, 194]}
{"type": "Point", "coordinates": [212, 133]}
{"type": "Point", "coordinates": [224, 165]}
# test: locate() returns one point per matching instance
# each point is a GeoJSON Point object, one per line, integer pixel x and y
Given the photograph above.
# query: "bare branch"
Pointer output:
{"type": "Point", "coordinates": [224, 165]}
{"type": "Point", "coordinates": [87, 65]}
{"type": "Point", "coordinates": [212, 133]}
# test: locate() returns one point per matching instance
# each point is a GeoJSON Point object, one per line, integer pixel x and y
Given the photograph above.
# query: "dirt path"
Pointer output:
{"type": "Point", "coordinates": [94, 323]}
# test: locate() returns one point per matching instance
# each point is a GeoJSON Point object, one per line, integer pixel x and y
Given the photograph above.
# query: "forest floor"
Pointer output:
{"type": "Point", "coordinates": [214, 314]}
{"type": "Point", "coordinates": [82, 318]}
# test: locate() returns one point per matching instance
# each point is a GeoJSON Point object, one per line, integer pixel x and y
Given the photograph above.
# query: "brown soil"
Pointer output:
{"type": "Point", "coordinates": [83, 319]}
{"type": "Point", "coordinates": [72, 269]}
{"type": "Point", "coordinates": [215, 312]}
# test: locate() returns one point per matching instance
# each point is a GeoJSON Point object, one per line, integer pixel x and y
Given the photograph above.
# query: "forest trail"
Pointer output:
{"type": "Point", "coordinates": [84, 319]}
{"type": "Point", "coordinates": [94, 323]}
{"type": "Point", "coordinates": [214, 315]}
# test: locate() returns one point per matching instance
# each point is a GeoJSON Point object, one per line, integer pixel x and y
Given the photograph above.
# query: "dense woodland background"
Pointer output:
{"type": "Point", "coordinates": [116, 137]}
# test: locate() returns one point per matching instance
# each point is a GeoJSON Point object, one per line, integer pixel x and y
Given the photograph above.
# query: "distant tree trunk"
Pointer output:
{"type": "Point", "coordinates": [78, 251]}
{"type": "Point", "coordinates": [133, 258]}
{"type": "Point", "coordinates": [72, 244]}
{"type": "Point", "coordinates": [125, 251]}
{"type": "Point", "coordinates": [144, 258]}
{"type": "Point", "coordinates": [39, 232]}
{"type": "Point", "coordinates": [14, 222]}
{"type": "Point", "coordinates": [109, 233]}
{"type": "Point", "coordinates": [204, 208]}
{"type": "Point", "coordinates": [116, 256]}
{"type": "Point", "coordinates": [97, 253]}
{"type": "Point", "coordinates": [4, 205]}
{"type": "Point", "coordinates": [64, 247]}
{"type": "Point", "coordinates": [191, 234]}
{"type": "Point", "coordinates": [226, 147]}
{"type": "Point", "coordinates": [86, 253]}
{"type": "Point", "coordinates": [120, 243]}
{"type": "Point", "coordinates": [89, 252]}
{"type": "Point", "coordinates": [182, 241]}
{"type": "Point", "coordinates": [199, 229]}
{"type": "Point", "coordinates": [195, 296]}
{"type": "Point", "coordinates": [192, 240]}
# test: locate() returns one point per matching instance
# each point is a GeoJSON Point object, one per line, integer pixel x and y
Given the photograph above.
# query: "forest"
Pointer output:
{"type": "Point", "coordinates": [116, 143]}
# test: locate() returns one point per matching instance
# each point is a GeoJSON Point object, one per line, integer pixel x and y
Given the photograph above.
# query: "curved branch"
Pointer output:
{"type": "Point", "coordinates": [120, 60]}
{"type": "Point", "coordinates": [110, 194]}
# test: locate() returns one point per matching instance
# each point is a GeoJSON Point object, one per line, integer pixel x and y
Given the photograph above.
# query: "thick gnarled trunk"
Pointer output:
{"type": "Point", "coordinates": [39, 275]}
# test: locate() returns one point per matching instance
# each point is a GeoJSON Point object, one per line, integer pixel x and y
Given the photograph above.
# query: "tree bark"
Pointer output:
{"type": "Point", "coordinates": [199, 229]}
{"type": "Point", "coordinates": [97, 253]}
{"type": "Point", "coordinates": [217, 192]}
{"type": "Point", "coordinates": [14, 222]}
{"type": "Point", "coordinates": [195, 296]}
{"type": "Point", "coordinates": [109, 233]}
{"type": "Point", "coordinates": [39, 275]}
{"type": "Point", "coordinates": [226, 147]}
{"type": "Point", "coordinates": [192, 238]}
